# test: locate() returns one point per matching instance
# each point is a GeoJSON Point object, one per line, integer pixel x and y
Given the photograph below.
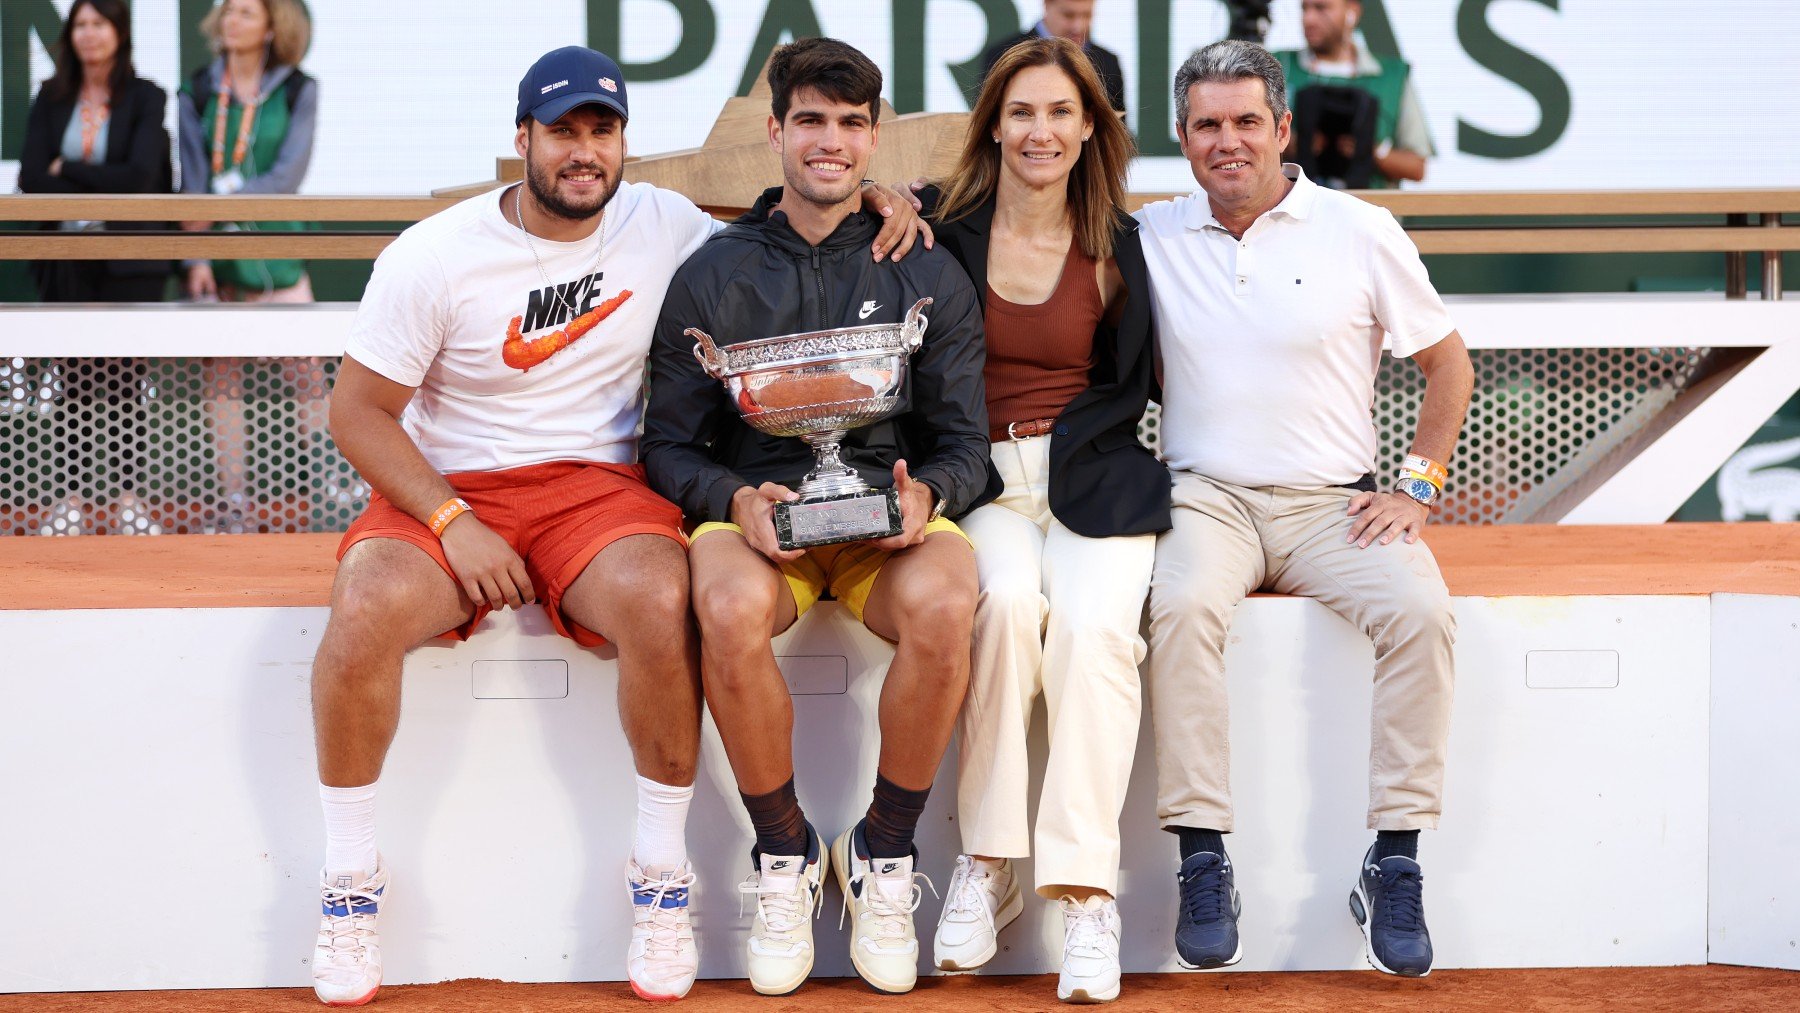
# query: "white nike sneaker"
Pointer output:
{"type": "Point", "coordinates": [786, 888]}
{"type": "Point", "coordinates": [662, 959]}
{"type": "Point", "coordinates": [983, 898]}
{"type": "Point", "coordinates": [346, 964]}
{"type": "Point", "coordinates": [1090, 960]}
{"type": "Point", "coordinates": [880, 896]}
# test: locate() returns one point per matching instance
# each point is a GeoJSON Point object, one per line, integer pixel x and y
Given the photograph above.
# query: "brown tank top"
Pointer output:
{"type": "Point", "coordinates": [1038, 357]}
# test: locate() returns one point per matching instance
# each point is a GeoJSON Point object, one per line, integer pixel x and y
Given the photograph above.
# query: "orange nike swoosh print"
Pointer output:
{"type": "Point", "coordinates": [522, 353]}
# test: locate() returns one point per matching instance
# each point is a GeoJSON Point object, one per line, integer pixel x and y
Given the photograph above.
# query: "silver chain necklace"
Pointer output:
{"type": "Point", "coordinates": [519, 213]}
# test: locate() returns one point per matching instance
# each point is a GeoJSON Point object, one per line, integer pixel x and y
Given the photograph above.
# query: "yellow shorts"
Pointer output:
{"type": "Point", "coordinates": [848, 569]}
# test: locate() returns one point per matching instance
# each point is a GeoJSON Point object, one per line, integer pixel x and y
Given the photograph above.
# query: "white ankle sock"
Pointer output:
{"type": "Point", "coordinates": [661, 824]}
{"type": "Point", "coordinates": [349, 828]}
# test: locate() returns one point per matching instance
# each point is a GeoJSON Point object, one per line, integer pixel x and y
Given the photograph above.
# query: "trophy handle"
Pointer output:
{"type": "Point", "coordinates": [706, 353]}
{"type": "Point", "coordinates": [916, 322]}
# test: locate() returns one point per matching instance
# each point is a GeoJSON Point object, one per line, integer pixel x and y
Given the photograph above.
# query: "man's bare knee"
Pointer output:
{"type": "Point", "coordinates": [734, 615]}
{"type": "Point", "coordinates": [390, 594]}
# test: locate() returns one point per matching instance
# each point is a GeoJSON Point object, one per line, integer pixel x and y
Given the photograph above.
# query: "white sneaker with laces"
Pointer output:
{"type": "Point", "coordinates": [786, 888]}
{"type": "Point", "coordinates": [983, 898]}
{"type": "Point", "coordinates": [346, 963]}
{"type": "Point", "coordinates": [662, 959]}
{"type": "Point", "coordinates": [1090, 961]}
{"type": "Point", "coordinates": [880, 896]}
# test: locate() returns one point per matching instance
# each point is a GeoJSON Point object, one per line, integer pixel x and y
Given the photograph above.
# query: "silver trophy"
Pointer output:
{"type": "Point", "coordinates": [818, 386]}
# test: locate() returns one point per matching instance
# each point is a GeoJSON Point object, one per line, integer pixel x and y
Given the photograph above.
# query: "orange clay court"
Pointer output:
{"type": "Point", "coordinates": [1709, 987]}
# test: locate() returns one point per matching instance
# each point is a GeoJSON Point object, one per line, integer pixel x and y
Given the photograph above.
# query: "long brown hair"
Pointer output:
{"type": "Point", "coordinates": [1097, 182]}
{"type": "Point", "coordinates": [66, 83]}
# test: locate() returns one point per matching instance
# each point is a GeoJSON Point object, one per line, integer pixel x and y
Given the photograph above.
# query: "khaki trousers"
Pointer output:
{"type": "Point", "coordinates": [1228, 541]}
{"type": "Point", "coordinates": [1059, 613]}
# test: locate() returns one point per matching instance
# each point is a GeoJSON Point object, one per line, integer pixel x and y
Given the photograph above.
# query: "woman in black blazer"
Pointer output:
{"type": "Point", "coordinates": [96, 127]}
{"type": "Point", "coordinates": [1066, 550]}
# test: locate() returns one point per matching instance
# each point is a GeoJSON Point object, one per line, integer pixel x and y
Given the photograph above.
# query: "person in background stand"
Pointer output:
{"type": "Point", "coordinates": [97, 128]}
{"type": "Point", "coordinates": [1066, 19]}
{"type": "Point", "coordinates": [1332, 57]}
{"type": "Point", "coordinates": [247, 123]}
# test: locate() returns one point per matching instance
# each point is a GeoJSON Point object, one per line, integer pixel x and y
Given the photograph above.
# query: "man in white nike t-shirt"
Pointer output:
{"type": "Point", "coordinates": [490, 394]}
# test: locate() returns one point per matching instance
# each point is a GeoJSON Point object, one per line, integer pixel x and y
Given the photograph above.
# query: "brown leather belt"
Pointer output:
{"type": "Point", "coordinates": [1026, 430]}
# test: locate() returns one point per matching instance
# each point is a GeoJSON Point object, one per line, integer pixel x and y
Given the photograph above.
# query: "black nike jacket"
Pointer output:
{"type": "Point", "coordinates": [759, 279]}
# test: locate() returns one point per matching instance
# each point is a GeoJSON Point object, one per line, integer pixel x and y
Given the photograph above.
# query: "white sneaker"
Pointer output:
{"type": "Point", "coordinates": [983, 898]}
{"type": "Point", "coordinates": [1090, 960]}
{"type": "Point", "coordinates": [346, 963]}
{"type": "Point", "coordinates": [786, 888]}
{"type": "Point", "coordinates": [880, 896]}
{"type": "Point", "coordinates": [662, 960]}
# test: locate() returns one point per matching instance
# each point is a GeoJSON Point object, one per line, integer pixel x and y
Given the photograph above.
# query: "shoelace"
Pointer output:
{"type": "Point", "coordinates": [782, 911]}
{"type": "Point", "coordinates": [889, 916]}
{"type": "Point", "coordinates": [346, 936]}
{"type": "Point", "coordinates": [668, 926]}
{"type": "Point", "coordinates": [1204, 895]}
{"type": "Point", "coordinates": [1402, 894]}
{"type": "Point", "coordinates": [967, 895]}
{"type": "Point", "coordinates": [1086, 931]}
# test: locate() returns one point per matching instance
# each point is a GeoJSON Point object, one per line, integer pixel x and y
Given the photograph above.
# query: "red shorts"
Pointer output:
{"type": "Point", "coordinates": [556, 516]}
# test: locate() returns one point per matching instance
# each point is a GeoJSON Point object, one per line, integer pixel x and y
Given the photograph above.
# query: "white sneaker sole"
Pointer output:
{"type": "Point", "coordinates": [1235, 957]}
{"type": "Point", "coordinates": [1086, 997]}
{"type": "Point", "coordinates": [365, 1000]}
{"type": "Point", "coordinates": [840, 861]}
{"type": "Point", "coordinates": [1359, 910]}
{"type": "Point", "coordinates": [1009, 912]}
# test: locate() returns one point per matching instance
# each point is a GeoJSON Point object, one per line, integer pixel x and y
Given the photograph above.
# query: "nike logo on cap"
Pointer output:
{"type": "Point", "coordinates": [868, 308]}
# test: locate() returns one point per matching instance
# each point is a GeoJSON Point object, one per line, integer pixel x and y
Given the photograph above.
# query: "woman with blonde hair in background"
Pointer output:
{"type": "Point", "coordinates": [247, 120]}
{"type": "Point", "coordinates": [1033, 213]}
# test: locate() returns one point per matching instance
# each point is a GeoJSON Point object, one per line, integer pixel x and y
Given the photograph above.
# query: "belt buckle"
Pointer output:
{"type": "Point", "coordinates": [1015, 437]}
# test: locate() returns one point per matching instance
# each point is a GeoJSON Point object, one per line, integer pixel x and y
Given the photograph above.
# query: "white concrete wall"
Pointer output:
{"type": "Point", "coordinates": [164, 828]}
{"type": "Point", "coordinates": [1754, 851]}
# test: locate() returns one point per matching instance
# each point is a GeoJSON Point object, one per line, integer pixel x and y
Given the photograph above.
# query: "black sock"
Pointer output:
{"type": "Point", "coordinates": [1194, 841]}
{"type": "Point", "coordinates": [893, 814]}
{"type": "Point", "coordinates": [1389, 843]}
{"type": "Point", "coordinates": [780, 825]}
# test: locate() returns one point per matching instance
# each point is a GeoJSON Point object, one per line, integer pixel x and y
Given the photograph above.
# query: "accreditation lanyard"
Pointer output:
{"type": "Point", "coordinates": [93, 116]}
{"type": "Point", "coordinates": [245, 127]}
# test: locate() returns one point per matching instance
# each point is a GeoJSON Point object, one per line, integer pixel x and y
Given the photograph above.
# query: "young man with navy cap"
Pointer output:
{"type": "Point", "coordinates": [489, 394]}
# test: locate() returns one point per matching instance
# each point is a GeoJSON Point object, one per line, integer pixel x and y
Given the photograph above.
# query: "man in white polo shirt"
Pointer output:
{"type": "Point", "coordinates": [1271, 298]}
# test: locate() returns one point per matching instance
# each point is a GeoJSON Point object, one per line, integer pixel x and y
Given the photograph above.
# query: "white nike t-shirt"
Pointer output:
{"type": "Point", "coordinates": [513, 366]}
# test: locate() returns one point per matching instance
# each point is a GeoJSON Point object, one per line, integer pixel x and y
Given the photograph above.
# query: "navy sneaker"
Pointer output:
{"type": "Point", "coordinates": [1389, 904]}
{"type": "Point", "coordinates": [1206, 934]}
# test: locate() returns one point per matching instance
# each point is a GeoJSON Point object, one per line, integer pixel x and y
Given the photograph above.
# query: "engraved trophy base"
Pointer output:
{"type": "Point", "coordinates": [850, 517]}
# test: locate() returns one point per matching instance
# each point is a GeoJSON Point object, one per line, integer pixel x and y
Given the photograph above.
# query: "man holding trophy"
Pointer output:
{"type": "Point", "coordinates": [778, 334]}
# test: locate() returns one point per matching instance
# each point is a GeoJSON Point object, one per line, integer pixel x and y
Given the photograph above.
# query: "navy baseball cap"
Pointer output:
{"type": "Point", "coordinates": [568, 77]}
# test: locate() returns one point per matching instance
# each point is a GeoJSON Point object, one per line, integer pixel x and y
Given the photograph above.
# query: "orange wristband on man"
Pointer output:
{"type": "Point", "coordinates": [453, 508]}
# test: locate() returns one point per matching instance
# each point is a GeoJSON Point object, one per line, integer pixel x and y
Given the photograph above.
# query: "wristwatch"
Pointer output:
{"type": "Point", "coordinates": [938, 503]}
{"type": "Point", "coordinates": [1418, 490]}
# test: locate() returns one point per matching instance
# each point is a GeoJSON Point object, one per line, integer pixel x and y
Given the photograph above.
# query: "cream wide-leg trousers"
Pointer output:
{"type": "Point", "coordinates": [1059, 613]}
{"type": "Point", "coordinates": [1228, 541]}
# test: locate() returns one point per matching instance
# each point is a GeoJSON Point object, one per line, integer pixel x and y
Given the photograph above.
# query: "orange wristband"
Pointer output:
{"type": "Point", "coordinates": [453, 508]}
{"type": "Point", "coordinates": [1426, 468]}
